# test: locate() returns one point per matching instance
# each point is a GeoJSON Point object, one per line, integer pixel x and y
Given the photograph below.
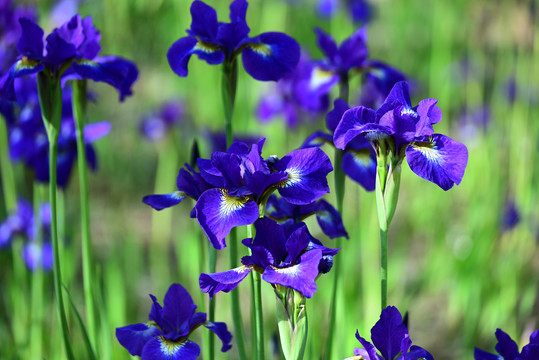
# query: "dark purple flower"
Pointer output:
{"type": "Point", "coordinates": [268, 56]}
{"type": "Point", "coordinates": [21, 223]}
{"type": "Point", "coordinates": [286, 256]}
{"type": "Point", "coordinates": [156, 125]}
{"type": "Point", "coordinates": [508, 349]}
{"type": "Point", "coordinates": [390, 337]}
{"type": "Point", "coordinates": [407, 131]}
{"type": "Point", "coordinates": [70, 52]}
{"type": "Point", "coordinates": [511, 216]}
{"type": "Point", "coordinates": [10, 30]}
{"type": "Point", "coordinates": [166, 335]}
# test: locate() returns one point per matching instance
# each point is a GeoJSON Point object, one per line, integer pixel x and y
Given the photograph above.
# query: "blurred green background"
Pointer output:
{"type": "Point", "coordinates": [452, 265]}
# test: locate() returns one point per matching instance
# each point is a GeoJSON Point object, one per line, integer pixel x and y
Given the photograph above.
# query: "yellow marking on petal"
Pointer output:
{"type": "Point", "coordinates": [206, 47]}
{"type": "Point", "coordinates": [26, 63]}
{"type": "Point", "coordinates": [230, 204]}
{"type": "Point", "coordinates": [170, 347]}
{"type": "Point", "coordinates": [362, 157]}
{"type": "Point", "coordinates": [430, 151]}
{"type": "Point", "coordinates": [320, 77]}
{"type": "Point", "coordinates": [294, 177]}
{"type": "Point", "coordinates": [261, 48]}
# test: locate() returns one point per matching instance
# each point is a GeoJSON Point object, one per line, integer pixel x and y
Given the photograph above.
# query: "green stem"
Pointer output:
{"type": "Point", "coordinates": [6, 171]}
{"type": "Point", "coordinates": [257, 303]}
{"type": "Point", "coordinates": [50, 101]}
{"type": "Point", "coordinates": [79, 100]}
{"type": "Point", "coordinates": [228, 90]}
{"type": "Point", "coordinates": [36, 327]}
{"type": "Point", "coordinates": [236, 312]}
{"type": "Point", "coordinates": [212, 252]}
{"type": "Point", "coordinates": [383, 267]}
{"type": "Point", "coordinates": [18, 288]}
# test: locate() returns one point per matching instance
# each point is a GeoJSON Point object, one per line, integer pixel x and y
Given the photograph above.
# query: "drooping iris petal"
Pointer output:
{"type": "Point", "coordinates": [270, 56]}
{"type": "Point", "coordinates": [159, 348]}
{"type": "Point", "coordinates": [367, 348]}
{"type": "Point", "coordinates": [217, 213]}
{"type": "Point", "coordinates": [197, 320]}
{"type": "Point", "coordinates": [438, 159]}
{"type": "Point", "coordinates": [357, 121]}
{"type": "Point", "coordinates": [21, 68]}
{"type": "Point", "coordinates": [330, 220]}
{"type": "Point", "coordinates": [506, 346]}
{"type": "Point", "coordinates": [178, 309]}
{"type": "Point", "coordinates": [96, 131]}
{"type": "Point", "coordinates": [360, 166]}
{"type": "Point", "coordinates": [180, 52]}
{"type": "Point", "coordinates": [31, 41]}
{"type": "Point", "coordinates": [163, 201]}
{"type": "Point", "coordinates": [382, 76]}
{"type": "Point", "coordinates": [418, 353]}
{"type": "Point", "coordinates": [115, 71]}
{"type": "Point", "coordinates": [134, 337]}
{"type": "Point", "coordinates": [224, 281]}
{"type": "Point", "coordinates": [307, 170]}
{"type": "Point", "coordinates": [483, 355]}
{"type": "Point", "coordinates": [318, 138]}
{"type": "Point", "coordinates": [327, 44]}
{"type": "Point", "coordinates": [219, 329]}
{"type": "Point", "coordinates": [204, 21]}
{"type": "Point", "coordinates": [388, 332]}
{"type": "Point", "coordinates": [299, 277]}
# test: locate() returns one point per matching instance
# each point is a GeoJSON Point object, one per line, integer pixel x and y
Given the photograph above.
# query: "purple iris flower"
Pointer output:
{"type": "Point", "coordinates": [10, 30]}
{"type": "Point", "coordinates": [407, 131]}
{"type": "Point", "coordinates": [285, 256]}
{"type": "Point", "coordinates": [22, 224]}
{"type": "Point", "coordinates": [156, 125]}
{"type": "Point", "coordinates": [328, 217]}
{"type": "Point", "coordinates": [28, 138]}
{"type": "Point", "coordinates": [343, 61]}
{"type": "Point", "coordinates": [508, 349]}
{"type": "Point", "coordinates": [359, 10]}
{"type": "Point", "coordinates": [390, 337]}
{"type": "Point", "coordinates": [289, 99]}
{"type": "Point", "coordinates": [359, 158]}
{"type": "Point", "coordinates": [268, 56]}
{"type": "Point", "coordinates": [166, 335]}
{"type": "Point", "coordinates": [70, 51]}
{"type": "Point", "coordinates": [231, 186]}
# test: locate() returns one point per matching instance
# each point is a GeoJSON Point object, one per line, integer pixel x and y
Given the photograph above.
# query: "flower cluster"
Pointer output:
{"type": "Point", "coordinates": [401, 130]}
{"type": "Point", "coordinates": [166, 335]}
{"type": "Point", "coordinates": [285, 256]}
{"type": "Point", "coordinates": [268, 56]}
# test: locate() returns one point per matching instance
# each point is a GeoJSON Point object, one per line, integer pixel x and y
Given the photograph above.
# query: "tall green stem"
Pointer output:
{"type": "Point", "coordinates": [257, 303]}
{"type": "Point", "coordinates": [79, 101]}
{"type": "Point", "coordinates": [50, 100]}
{"type": "Point", "coordinates": [236, 312]}
{"type": "Point", "coordinates": [6, 170]}
{"type": "Point", "coordinates": [382, 221]}
{"type": "Point", "coordinates": [212, 254]}
{"type": "Point", "coordinates": [36, 327]}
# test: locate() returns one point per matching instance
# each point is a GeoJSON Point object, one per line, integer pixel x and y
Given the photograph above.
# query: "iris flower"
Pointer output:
{"type": "Point", "coordinates": [408, 133]}
{"type": "Point", "coordinates": [70, 52]}
{"type": "Point", "coordinates": [390, 337]}
{"type": "Point", "coordinates": [268, 56]}
{"type": "Point", "coordinates": [508, 349]}
{"type": "Point", "coordinates": [166, 335]}
{"type": "Point", "coordinates": [286, 256]}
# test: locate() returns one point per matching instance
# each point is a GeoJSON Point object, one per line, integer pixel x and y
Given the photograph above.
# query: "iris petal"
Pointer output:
{"type": "Point", "coordinates": [31, 41]}
{"type": "Point", "coordinates": [368, 347]}
{"type": "Point", "coordinates": [330, 220]}
{"type": "Point", "coordinates": [357, 121]}
{"type": "Point", "coordinates": [95, 131]}
{"type": "Point", "coordinates": [134, 337]}
{"type": "Point", "coordinates": [217, 213]}
{"type": "Point", "coordinates": [160, 348]}
{"type": "Point", "coordinates": [178, 309]}
{"type": "Point", "coordinates": [307, 170]}
{"type": "Point", "coordinates": [327, 44]}
{"type": "Point", "coordinates": [483, 355]}
{"type": "Point", "coordinates": [506, 346]}
{"type": "Point", "coordinates": [163, 201]}
{"type": "Point", "coordinates": [270, 56]}
{"type": "Point", "coordinates": [115, 71]}
{"type": "Point", "coordinates": [224, 281]}
{"type": "Point", "coordinates": [204, 21]}
{"type": "Point", "coordinates": [418, 353]}
{"type": "Point", "coordinates": [388, 332]}
{"type": "Point", "coordinates": [360, 166]}
{"type": "Point", "coordinates": [438, 159]}
{"type": "Point", "coordinates": [220, 329]}
{"type": "Point", "coordinates": [180, 52]}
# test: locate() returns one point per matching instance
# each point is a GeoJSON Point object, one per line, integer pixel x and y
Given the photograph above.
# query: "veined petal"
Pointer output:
{"type": "Point", "coordinates": [438, 159]}
{"type": "Point", "coordinates": [368, 347]}
{"type": "Point", "coordinates": [134, 337]}
{"type": "Point", "coordinates": [330, 220]}
{"type": "Point", "coordinates": [483, 355]}
{"type": "Point", "coordinates": [326, 44]}
{"type": "Point", "coordinates": [506, 346]}
{"type": "Point", "coordinates": [307, 170]}
{"type": "Point", "coordinates": [299, 277]}
{"type": "Point", "coordinates": [220, 329]}
{"type": "Point", "coordinates": [31, 41]}
{"type": "Point", "coordinates": [360, 166]}
{"type": "Point", "coordinates": [178, 309]}
{"type": "Point", "coordinates": [160, 348]}
{"type": "Point", "coordinates": [224, 281]}
{"type": "Point", "coordinates": [115, 71]}
{"type": "Point", "coordinates": [217, 213]}
{"type": "Point", "coordinates": [388, 332]}
{"type": "Point", "coordinates": [180, 52]}
{"type": "Point", "coordinates": [270, 56]}
{"type": "Point", "coordinates": [95, 131]}
{"type": "Point", "coordinates": [357, 121]}
{"type": "Point", "coordinates": [163, 201]}
{"type": "Point", "coordinates": [429, 114]}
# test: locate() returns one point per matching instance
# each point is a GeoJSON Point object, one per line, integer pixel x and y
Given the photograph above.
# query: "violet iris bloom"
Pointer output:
{"type": "Point", "coordinates": [268, 56]}
{"type": "Point", "coordinates": [22, 224]}
{"type": "Point", "coordinates": [28, 138]}
{"type": "Point", "coordinates": [390, 337]}
{"type": "Point", "coordinates": [508, 349]}
{"type": "Point", "coordinates": [236, 182]}
{"type": "Point", "coordinates": [285, 256]}
{"type": "Point", "coordinates": [166, 335]}
{"type": "Point", "coordinates": [328, 217]}
{"type": "Point", "coordinates": [359, 158]}
{"type": "Point", "coordinates": [10, 30]}
{"type": "Point", "coordinates": [70, 51]}
{"type": "Point", "coordinates": [407, 131]}
{"type": "Point", "coordinates": [155, 126]}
